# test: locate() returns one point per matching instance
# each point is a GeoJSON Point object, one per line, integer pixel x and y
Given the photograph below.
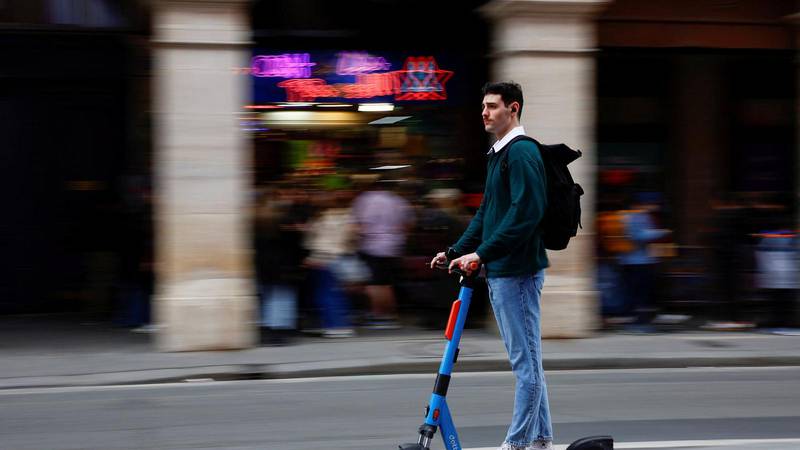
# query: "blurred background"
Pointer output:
{"type": "Point", "coordinates": [226, 174]}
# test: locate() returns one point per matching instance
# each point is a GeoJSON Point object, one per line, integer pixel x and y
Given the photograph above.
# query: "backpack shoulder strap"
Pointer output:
{"type": "Point", "coordinates": [507, 148]}
{"type": "Point", "coordinates": [521, 137]}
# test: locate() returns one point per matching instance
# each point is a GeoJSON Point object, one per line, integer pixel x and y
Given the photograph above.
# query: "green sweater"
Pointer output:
{"type": "Point", "coordinates": [506, 232]}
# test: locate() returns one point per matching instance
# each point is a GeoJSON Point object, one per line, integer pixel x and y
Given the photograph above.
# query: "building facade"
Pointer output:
{"type": "Point", "coordinates": [553, 48]}
{"type": "Point", "coordinates": [694, 101]}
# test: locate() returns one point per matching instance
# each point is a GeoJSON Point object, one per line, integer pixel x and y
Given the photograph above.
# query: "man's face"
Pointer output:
{"type": "Point", "coordinates": [497, 116]}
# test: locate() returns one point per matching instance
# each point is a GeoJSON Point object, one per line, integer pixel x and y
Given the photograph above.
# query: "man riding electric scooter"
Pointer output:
{"type": "Point", "coordinates": [506, 237]}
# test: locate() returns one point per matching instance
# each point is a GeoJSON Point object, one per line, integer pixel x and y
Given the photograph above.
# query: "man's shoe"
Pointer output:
{"type": "Point", "coordinates": [540, 445]}
{"type": "Point", "coordinates": [507, 446]}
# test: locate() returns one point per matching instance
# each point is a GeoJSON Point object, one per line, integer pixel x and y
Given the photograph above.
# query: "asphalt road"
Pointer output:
{"type": "Point", "coordinates": [707, 408]}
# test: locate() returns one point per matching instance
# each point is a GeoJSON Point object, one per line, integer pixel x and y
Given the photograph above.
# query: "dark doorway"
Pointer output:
{"type": "Point", "coordinates": [76, 170]}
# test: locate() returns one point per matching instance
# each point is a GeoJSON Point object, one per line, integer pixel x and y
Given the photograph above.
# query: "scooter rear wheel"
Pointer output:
{"type": "Point", "coordinates": [593, 443]}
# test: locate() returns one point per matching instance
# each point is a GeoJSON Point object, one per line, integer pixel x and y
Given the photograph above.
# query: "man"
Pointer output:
{"type": "Point", "coordinates": [505, 235]}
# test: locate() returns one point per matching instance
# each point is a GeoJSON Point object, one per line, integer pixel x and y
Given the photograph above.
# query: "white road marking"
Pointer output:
{"type": "Point", "coordinates": [682, 444]}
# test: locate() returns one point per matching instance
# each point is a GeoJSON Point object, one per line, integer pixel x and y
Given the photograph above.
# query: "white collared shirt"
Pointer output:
{"type": "Point", "coordinates": [516, 131]}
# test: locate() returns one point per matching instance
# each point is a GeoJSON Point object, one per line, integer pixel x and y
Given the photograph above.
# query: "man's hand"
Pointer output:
{"type": "Point", "coordinates": [439, 260]}
{"type": "Point", "coordinates": [466, 263]}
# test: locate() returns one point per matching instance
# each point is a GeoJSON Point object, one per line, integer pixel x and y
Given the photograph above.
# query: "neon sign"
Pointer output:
{"type": "Point", "coordinates": [372, 85]}
{"type": "Point", "coordinates": [356, 63]}
{"type": "Point", "coordinates": [289, 65]}
{"type": "Point", "coordinates": [366, 86]}
{"type": "Point", "coordinates": [347, 75]}
{"type": "Point", "coordinates": [422, 80]}
{"type": "Point", "coordinates": [307, 90]}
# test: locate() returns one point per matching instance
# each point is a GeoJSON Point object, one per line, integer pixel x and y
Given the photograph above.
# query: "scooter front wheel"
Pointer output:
{"type": "Point", "coordinates": [412, 447]}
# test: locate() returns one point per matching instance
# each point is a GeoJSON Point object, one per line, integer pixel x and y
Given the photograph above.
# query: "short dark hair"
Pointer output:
{"type": "Point", "coordinates": [509, 91]}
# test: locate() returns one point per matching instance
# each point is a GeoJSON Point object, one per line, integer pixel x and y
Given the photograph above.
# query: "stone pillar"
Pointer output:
{"type": "Point", "coordinates": [548, 47]}
{"type": "Point", "coordinates": [795, 20]}
{"type": "Point", "coordinates": [205, 292]}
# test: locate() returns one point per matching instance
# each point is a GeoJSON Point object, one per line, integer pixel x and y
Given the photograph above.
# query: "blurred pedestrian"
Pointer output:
{"type": "Point", "coordinates": [439, 219]}
{"type": "Point", "coordinates": [280, 218]}
{"type": "Point", "coordinates": [384, 219]}
{"type": "Point", "coordinates": [638, 263]}
{"type": "Point", "coordinates": [612, 242]}
{"type": "Point", "coordinates": [136, 258]}
{"type": "Point", "coordinates": [329, 240]}
{"type": "Point", "coordinates": [777, 277]}
{"type": "Point", "coordinates": [506, 237]}
{"type": "Point", "coordinates": [777, 261]}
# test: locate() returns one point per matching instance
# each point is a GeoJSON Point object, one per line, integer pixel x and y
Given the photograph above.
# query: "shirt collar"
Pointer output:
{"type": "Point", "coordinates": [516, 131]}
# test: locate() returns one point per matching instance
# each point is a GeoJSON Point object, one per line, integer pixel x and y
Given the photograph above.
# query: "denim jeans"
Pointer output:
{"type": "Point", "coordinates": [515, 301]}
{"type": "Point", "coordinates": [278, 306]}
{"type": "Point", "coordinates": [330, 299]}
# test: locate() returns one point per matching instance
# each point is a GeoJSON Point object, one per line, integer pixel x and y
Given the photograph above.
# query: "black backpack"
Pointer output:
{"type": "Point", "coordinates": [563, 214]}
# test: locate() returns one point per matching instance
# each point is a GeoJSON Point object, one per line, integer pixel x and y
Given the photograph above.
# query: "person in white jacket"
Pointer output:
{"type": "Point", "coordinates": [329, 239]}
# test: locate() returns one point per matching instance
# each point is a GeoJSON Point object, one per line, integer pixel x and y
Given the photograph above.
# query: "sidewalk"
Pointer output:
{"type": "Point", "coordinates": [37, 353]}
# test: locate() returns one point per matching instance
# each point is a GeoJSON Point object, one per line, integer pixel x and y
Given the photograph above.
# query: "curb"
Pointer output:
{"type": "Point", "coordinates": [283, 372]}
{"type": "Point", "coordinates": [314, 370]}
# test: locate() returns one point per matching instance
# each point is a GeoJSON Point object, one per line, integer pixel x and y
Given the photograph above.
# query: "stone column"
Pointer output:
{"type": "Point", "coordinates": [205, 292]}
{"type": "Point", "coordinates": [548, 47]}
{"type": "Point", "coordinates": [795, 20]}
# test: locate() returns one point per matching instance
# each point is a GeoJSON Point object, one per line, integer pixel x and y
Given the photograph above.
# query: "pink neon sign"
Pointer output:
{"type": "Point", "coordinates": [357, 63]}
{"type": "Point", "coordinates": [288, 65]}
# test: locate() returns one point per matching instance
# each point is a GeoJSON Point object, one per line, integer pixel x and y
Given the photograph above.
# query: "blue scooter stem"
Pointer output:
{"type": "Point", "coordinates": [438, 414]}
{"type": "Point", "coordinates": [449, 357]}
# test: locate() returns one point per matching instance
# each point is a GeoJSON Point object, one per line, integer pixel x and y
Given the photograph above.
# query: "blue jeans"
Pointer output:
{"type": "Point", "coordinates": [278, 306]}
{"type": "Point", "coordinates": [515, 301]}
{"type": "Point", "coordinates": [330, 299]}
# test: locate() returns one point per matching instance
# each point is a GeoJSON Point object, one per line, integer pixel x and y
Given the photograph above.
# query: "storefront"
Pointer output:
{"type": "Point", "coordinates": [345, 113]}
{"type": "Point", "coordinates": [697, 113]}
{"type": "Point", "coordinates": [672, 93]}
{"type": "Point", "coordinates": [339, 122]}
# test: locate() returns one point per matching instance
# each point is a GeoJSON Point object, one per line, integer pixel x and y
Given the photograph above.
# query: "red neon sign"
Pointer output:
{"type": "Point", "coordinates": [305, 90]}
{"type": "Point", "coordinates": [421, 79]}
{"type": "Point", "coordinates": [371, 85]}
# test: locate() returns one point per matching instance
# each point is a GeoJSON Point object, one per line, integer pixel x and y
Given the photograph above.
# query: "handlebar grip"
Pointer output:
{"type": "Point", "coordinates": [451, 254]}
{"type": "Point", "coordinates": [455, 270]}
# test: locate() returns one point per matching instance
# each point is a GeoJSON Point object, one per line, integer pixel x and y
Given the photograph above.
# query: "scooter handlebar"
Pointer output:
{"type": "Point", "coordinates": [450, 254]}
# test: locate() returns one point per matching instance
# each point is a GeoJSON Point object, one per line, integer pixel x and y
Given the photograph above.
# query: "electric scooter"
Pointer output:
{"type": "Point", "coordinates": [437, 413]}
